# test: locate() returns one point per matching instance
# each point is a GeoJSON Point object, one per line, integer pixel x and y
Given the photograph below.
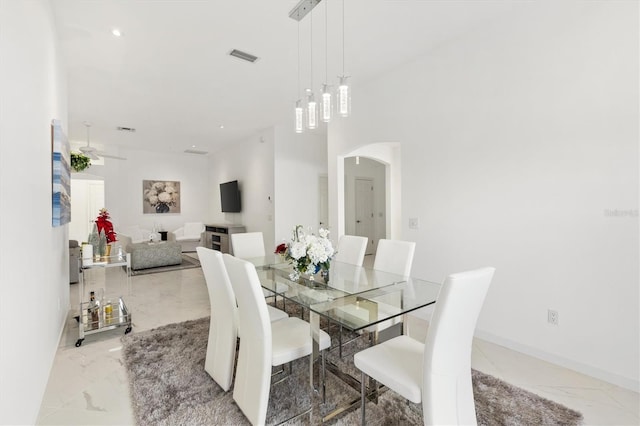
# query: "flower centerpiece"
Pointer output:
{"type": "Point", "coordinates": [104, 224]}
{"type": "Point", "coordinates": [306, 252]}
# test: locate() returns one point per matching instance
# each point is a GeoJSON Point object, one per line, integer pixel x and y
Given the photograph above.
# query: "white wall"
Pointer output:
{"type": "Point", "coordinates": [250, 162]}
{"type": "Point", "coordinates": [275, 158]}
{"type": "Point", "coordinates": [123, 188]}
{"type": "Point", "coordinates": [300, 160]}
{"type": "Point", "coordinates": [34, 290]}
{"type": "Point", "coordinates": [516, 141]}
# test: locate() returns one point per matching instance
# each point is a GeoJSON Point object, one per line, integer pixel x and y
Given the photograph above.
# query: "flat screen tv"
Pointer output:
{"type": "Point", "coordinates": [230, 197]}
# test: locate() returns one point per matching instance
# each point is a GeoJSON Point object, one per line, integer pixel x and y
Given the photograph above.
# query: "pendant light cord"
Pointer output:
{"type": "Point", "coordinates": [343, 37]}
{"type": "Point", "coordinates": [326, 41]}
{"type": "Point", "coordinates": [311, 41]}
{"type": "Point", "coordinates": [298, 59]}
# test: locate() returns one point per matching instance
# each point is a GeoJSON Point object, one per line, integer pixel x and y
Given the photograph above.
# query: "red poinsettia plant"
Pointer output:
{"type": "Point", "coordinates": [104, 224]}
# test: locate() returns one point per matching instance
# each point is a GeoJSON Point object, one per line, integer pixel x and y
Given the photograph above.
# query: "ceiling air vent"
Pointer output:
{"type": "Point", "coordinates": [243, 55]}
{"type": "Point", "coordinates": [195, 151]}
{"type": "Point", "coordinates": [126, 129]}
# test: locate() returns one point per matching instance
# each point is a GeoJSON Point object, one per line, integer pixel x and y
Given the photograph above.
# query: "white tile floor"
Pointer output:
{"type": "Point", "coordinates": [88, 385]}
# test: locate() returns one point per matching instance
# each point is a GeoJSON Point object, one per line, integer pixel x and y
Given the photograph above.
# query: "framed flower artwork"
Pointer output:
{"type": "Point", "coordinates": [160, 196]}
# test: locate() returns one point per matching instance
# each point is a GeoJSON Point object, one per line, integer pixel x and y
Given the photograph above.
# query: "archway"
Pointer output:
{"type": "Point", "coordinates": [387, 154]}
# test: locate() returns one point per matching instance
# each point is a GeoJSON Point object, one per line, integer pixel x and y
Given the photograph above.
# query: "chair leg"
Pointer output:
{"type": "Point", "coordinates": [324, 384]}
{"type": "Point", "coordinates": [363, 397]}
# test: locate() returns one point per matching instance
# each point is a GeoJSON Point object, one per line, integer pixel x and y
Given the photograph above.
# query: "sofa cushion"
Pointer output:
{"type": "Point", "coordinates": [136, 234]}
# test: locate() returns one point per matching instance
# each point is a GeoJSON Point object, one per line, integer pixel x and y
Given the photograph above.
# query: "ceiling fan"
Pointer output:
{"type": "Point", "coordinates": [91, 152]}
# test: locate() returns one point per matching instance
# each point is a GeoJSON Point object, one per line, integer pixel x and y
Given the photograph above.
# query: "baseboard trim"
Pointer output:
{"type": "Point", "coordinates": [623, 382]}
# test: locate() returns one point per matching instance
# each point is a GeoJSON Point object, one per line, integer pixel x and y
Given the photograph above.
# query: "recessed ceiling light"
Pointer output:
{"type": "Point", "coordinates": [222, 126]}
{"type": "Point", "coordinates": [116, 32]}
{"type": "Point", "coordinates": [193, 146]}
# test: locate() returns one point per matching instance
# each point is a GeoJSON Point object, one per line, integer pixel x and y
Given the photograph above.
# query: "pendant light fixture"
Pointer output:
{"type": "Point", "coordinates": [312, 106]}
{"type": "Point", "coordinates": [309, 113]}
{"type": "Point", "coordinates": [298, 110]}
{"type": "Point", "coordinates": [343, 95]}
{"type": "Point", "coordinates": [327, 106]}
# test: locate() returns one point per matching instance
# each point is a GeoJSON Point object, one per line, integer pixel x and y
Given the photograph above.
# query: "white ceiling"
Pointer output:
{"type": "Point", "coordinates": [170, 76]}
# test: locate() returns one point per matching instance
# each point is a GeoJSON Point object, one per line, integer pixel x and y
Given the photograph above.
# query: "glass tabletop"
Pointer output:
{"type": "Point", "coordinates": [267, 261]}
{"type": "Point", "coordinates": [361, 310]}
{"type": "Point", "coordinates": [348, 278]}
{"type": "Point", "coordinates": [353, 296]}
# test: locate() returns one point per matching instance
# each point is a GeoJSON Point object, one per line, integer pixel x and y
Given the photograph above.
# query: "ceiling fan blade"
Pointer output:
{"type": "Point", "coordinates": [91, 155]}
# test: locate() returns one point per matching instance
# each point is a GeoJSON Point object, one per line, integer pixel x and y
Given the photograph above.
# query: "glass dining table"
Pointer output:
{"type": "Point", "coordinates": [354, 297]}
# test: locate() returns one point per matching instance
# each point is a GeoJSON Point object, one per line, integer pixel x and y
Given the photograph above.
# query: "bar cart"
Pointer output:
{"type": "Point", "coordinates": [96, 317]}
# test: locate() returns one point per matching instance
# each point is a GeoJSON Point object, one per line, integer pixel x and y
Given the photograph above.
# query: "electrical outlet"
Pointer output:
{"type": "Point", "coordinates": [552, 317]}
{"type": "Point", "coordinates": [414, 223]}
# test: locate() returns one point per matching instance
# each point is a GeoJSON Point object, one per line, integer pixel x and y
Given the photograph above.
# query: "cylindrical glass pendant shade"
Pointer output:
{"type": "Point", "coordinates": [343, 100]}
{"type": "Point", "coordinates": [299, 117]}
{"type": "Point", "coordinates": [312, 112]}
{"type": "Point", "coordinates": [327, 107]}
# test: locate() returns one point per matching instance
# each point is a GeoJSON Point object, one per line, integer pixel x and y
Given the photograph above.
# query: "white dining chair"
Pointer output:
{"type": "Point", "coordinates": [394, 257]}
{"type": "Point", "coordinates": [351, 249]}
{"type": "Point", "coordinates": [436, 373]}
{"type": "Point", "coordinates": [247, 245]}
{"type": "Point", "coordinates": [263, 344]}
{"type": "Point", "coordinates": [223, 326]}
{"type": "Point", "coordinates": [397, 257]}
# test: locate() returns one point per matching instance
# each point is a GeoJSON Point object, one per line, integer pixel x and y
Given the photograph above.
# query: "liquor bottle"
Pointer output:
{"type": "Point", "coordinates": [93, 311]}
{"type": "Point", "coordinates": [108, 312]}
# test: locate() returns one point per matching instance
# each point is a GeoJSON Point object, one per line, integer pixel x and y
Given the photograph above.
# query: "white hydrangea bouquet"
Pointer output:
{"type": "Point", "coordinates": [307, 253]}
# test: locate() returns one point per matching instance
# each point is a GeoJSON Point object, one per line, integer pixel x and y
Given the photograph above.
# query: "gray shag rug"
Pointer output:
{"type": "Point", "coordinates": [170, 387]}
{"type": "Point", "coordinates": [188, 262]}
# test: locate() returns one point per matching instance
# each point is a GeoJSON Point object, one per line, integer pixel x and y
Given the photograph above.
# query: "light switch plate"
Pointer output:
{"type": "Point", "coordinates": [414, 223]}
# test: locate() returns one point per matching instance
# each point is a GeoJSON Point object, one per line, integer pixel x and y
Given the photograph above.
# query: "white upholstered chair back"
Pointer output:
{"type": "Point", "coordinates": [351, 249]}
{"type": "Point", "coordinates": [248, 244]}
{"type": "Point", "coordinates": [253, 373]}
{"type": "Point", "coordinates": [221, 347]}
{"type": "Point", "coordinates": [447, 394]}
{"type": "Point", "coordinates": [394, 256]}
{"type": "Point", "coordinates": [436, 372]}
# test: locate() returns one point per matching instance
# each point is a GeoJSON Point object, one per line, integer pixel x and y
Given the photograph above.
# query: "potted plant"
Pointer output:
{"type": "Point", "coordinates": [79, 162]}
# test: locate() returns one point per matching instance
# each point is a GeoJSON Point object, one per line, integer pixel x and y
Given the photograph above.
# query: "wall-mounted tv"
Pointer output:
{"type": "Point", "coordinates": [230, 197]}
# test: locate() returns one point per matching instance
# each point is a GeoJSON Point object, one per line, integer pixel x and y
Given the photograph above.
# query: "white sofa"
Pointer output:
{"type": "Point", "coordinates": [134, 234]}
{"type": "Point", "coordinates": [190, 236]}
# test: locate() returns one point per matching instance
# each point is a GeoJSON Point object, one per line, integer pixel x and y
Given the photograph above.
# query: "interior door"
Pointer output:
{"type": "Point", "coordinates": [364, 225]}
{"type": "Point", "coordinates": [88, 199]}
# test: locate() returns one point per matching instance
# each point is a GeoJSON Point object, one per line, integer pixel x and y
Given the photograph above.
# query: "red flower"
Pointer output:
{"type": "Point", "coordinates": [103, 223]}
{"type": "Point", "coordinates": [281, 249]}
